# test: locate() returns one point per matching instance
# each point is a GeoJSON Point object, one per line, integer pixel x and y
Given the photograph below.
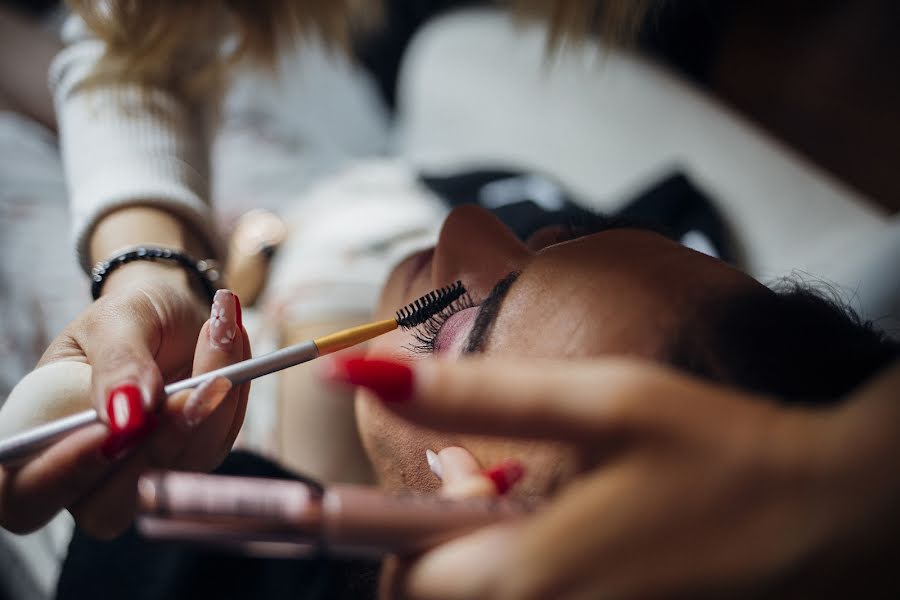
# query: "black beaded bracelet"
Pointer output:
{"type": "Point", "coordinates": [206, 271]}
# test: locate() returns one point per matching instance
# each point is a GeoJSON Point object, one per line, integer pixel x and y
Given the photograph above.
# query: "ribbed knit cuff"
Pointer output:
{"type": "Point", "coordinates": [128, 145]}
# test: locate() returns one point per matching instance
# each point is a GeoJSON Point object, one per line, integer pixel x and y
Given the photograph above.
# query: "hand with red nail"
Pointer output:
{"type": "Point", "coordinates": [687, 488]}
{"type": "Point", "coordinates": [134, 340]}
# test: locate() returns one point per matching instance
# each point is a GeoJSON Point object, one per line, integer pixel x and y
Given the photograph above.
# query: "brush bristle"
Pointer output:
{"type": "Point", "coordinates": [416, 313]}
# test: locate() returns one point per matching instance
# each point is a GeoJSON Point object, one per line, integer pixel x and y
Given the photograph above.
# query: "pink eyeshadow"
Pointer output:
{"type": "Point", "coordinates": [453, 333]}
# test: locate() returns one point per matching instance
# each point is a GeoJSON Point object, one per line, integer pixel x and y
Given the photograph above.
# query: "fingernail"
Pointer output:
{"type": "Point", "coordinates": [391, 380]}
{"type": "Point", "coordinates": [125, 409]}
{"type": "Point", "coordinates": [128, 420]}
{"type": "Point", "coordinates": [505, 475]}
{"type": "Point", "coordinates": [119, 443]}
{"type": "Point", "coordinates": [146, 397]}
{"type": "Point", "coordinates": [223, 321]}
{"type": "Point", "coordinates": [434, 463]}
{"type": "Point", "coordinates": [205, 398]}
{"type": "Point", "coordinates": [238, 313]}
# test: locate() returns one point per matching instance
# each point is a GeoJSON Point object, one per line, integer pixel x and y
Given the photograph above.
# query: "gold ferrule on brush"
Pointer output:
{"type": "Point", "coordinates": [355, 335]}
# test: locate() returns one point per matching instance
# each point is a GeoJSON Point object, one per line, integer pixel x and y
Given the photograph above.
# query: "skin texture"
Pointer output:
{"type": "Point", "coordinates": [619, 292]}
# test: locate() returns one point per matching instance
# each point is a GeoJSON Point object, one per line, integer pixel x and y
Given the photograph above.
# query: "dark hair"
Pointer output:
{"type": "Point", "coordinates": [798, 342]}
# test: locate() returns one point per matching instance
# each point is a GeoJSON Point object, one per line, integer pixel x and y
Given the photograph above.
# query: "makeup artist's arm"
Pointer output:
{"type": "Point", "coordinates": [695, 489]}
{"type": "Point", "coordinates": [93, 472]}
{"type": "Point", "coordinates": [136, 153]}
{"type": "Point", "coordinates": [135, 147]}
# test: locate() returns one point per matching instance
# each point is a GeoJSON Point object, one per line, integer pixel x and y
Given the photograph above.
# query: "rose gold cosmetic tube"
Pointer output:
{"type": "Point", "coordinates": [280, 517]}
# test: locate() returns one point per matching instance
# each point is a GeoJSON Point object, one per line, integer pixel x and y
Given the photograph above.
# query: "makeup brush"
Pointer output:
{"type": "Point", "coordinates": [19, 446]}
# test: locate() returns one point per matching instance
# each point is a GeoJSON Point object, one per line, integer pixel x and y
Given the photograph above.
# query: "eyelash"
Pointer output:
{"type": "Point", "coordinates": [426, 333]}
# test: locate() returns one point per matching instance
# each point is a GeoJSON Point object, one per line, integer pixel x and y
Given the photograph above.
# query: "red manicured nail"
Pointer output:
{"type": "Point", "coordinates": [119, 442]}
{"type": "Point", "coordinates": [505, 475]}
{"type": "Point", "coordinates": [392, 380]}
{"type": "Point", "coordinates": [125, 409]}
{"type": "Point", "coordinates": [238, 316]}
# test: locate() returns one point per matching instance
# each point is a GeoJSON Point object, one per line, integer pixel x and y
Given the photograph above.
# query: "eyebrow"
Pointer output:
{"type": "Point", "coordinates": [487, 314]}
{"type": "Point", "coordinates": [587, 224]}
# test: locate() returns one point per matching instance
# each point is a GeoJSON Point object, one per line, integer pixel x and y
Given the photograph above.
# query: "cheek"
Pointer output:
{"type": "Point", "coordinates": [396, 449]}
{"type": "Point", "coordinates": [547, 465]}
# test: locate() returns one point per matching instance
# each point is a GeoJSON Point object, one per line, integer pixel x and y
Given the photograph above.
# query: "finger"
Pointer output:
{"type": "Point", "coordinates": [226, 343]}
{"type": "Point", "coordinates": [118, 340]}
{"type": "Point", "coordinates": [241, 409]}
{"type": "Point", "coordinates": [196, 427]}
{"type": "Point", "coordinates": [511, 560]}
{"type": "Point", "coordinates": [34, 492]}
{"type": "Point", "coordinates": [576, 401]}
{"type": "Point", "coordinates": [457, 464]}
{"type": "Point", "coordinates": [129, 338]}
{"type": "Point", "coordinates": [462, 475]}
{"type": "Point", "coordinates": [203, 401]}
{"type": "Point", "coordinates": [462, 569]}
{"type": "Point", "coordinates": [219, 344]}
{"type": "Point", "coordinates": [108, 508]}
{"type": "Point", "coordinates": [204, 417]}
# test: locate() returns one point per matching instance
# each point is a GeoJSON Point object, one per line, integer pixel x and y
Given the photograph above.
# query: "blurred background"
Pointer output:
{"type": "Point", "coordinates": [821, 76]}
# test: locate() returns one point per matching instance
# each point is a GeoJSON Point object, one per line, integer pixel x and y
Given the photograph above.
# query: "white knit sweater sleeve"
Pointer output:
{"type": "Point", "coordinates": [116, 152]}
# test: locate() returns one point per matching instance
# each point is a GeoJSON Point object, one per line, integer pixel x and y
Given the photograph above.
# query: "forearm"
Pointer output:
{"type": "Point", "coordinates": [135, 225]}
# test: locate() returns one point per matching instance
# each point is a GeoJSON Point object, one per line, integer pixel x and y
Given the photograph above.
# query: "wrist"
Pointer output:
{"type": "Point", "coordinates": [134, 227]}
{"type": "Point", "coordinates": [201, 276]}
{"type": "Point", "coordinates": [143, 225]}
{"type": "Point", "coordinates": [138, 273]}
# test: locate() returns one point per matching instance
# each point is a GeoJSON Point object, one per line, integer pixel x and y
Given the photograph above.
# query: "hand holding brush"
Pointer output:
{"type": "Point", "coordinates": [87, 462]}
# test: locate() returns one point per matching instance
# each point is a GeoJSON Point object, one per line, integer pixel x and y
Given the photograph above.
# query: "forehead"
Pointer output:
{"type": "Point", "coordinates": [622, 291]}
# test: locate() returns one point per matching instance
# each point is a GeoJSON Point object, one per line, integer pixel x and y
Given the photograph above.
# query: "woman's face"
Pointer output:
{"type": "Point", "coordinates": [620, 291]}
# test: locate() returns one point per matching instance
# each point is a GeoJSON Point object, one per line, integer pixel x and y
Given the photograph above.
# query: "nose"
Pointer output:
{"type": "Point", "coordinates": [478, 249]}
{"type": "Point", "coordinates": [546, 236]}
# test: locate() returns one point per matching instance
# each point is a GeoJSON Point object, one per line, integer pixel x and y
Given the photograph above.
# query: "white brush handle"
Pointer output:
{"type": "Point", "coordinates": [22, 445]}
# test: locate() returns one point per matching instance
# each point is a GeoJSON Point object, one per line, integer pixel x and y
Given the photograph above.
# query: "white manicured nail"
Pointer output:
{"type": "Point", "coordinates": [434, 463]}
{"type": "Point", "coordinates": [146, 397]}
{"type": "Point", "coordinates": [223, 321]}
{"type": "Point", "coordinates": [204, 400]}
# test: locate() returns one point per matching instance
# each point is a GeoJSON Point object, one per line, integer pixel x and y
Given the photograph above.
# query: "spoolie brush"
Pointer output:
{"type": "Point", "coordinates": [21, 445]}
{"type": "Point", "coordinates": [430, 304]}
{"type": "Point", "coordinates": [412, 315]}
